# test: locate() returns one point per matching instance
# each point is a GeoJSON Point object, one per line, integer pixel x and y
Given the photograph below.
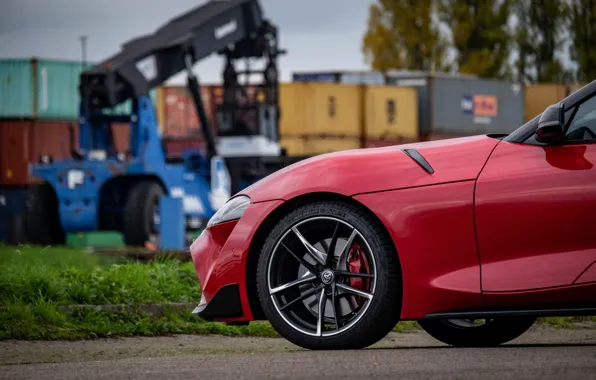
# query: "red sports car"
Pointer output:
{"type": "Point", "coordinates": [474, 237]}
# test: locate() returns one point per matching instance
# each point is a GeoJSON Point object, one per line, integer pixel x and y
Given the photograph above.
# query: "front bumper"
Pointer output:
{"type": "Point", "coordinates": [220, 255]}
{"type": "Point", "coordinates": [225, 303]}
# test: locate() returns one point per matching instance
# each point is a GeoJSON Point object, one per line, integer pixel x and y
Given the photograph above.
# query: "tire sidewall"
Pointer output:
{"type": "Point", "coordinates": [494, 333]}
{"type": "Point", "coordinates": [367, 329]}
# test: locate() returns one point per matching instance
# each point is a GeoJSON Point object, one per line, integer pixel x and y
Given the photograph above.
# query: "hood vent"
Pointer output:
{"type": "Point", "coordinates": [417, 157]}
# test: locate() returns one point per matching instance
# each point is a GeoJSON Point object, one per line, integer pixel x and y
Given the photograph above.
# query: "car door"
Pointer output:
{"type": "Point", "coordinates": [535, 211]}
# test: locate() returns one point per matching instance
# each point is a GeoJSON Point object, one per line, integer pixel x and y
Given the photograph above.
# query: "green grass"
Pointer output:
{"type": "Point", "coordinates": [61, 276]}
{"type": "Point", "coordinates": [36, 281]}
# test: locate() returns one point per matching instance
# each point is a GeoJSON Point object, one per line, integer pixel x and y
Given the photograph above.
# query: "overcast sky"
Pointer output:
{"type": "Point", "coordinates": [318, 34]}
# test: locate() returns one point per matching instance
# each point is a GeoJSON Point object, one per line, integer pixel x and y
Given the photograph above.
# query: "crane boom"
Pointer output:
{"type": "Point", "coordinates": [148, 61]}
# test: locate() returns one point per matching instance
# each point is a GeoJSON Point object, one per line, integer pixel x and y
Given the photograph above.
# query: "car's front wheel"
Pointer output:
{"type": "Point", "coordinates": [477, 332]}
{"type": "Point", "coordinates": [328, 278]}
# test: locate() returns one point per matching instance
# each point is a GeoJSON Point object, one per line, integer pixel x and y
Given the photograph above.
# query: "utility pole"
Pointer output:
{"type": "Point", "coordinates": [84, 50]}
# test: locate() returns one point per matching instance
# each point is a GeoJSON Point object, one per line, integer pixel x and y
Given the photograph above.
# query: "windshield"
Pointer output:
{"type": "Point", "coordinates": [523, 132]}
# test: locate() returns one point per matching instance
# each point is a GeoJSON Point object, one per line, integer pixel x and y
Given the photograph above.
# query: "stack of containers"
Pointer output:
{"type": "Point", "coordinates": [177, 114]}
{"type": "Point", "coordinates": [39, 104]}
{"type": "Point", "coordinates": [463, 105]}
{"type": "Point", "coordinates": [332, 111]}
{"type": "Point", "coordinates": [447, 105]}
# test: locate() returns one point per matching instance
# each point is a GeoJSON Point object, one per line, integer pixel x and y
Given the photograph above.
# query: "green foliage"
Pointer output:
{"type": "Point", "coordinates": [539, 37]}
{"type": "Point", "coordinates": [480, 35]}
{"type": "Point", "coordinates": [401, 34]}
{"type": "Point", "coordinates": [582, 21]}
{"type": "Point", "coordinates": [408, 34]}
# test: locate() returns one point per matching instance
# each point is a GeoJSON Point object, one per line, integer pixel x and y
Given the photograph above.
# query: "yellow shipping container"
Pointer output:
{"type": "Point", "coordinates": [320, 109]}
{"type": "Point", "coordinates": [294, 145]}
{"type": "Point", "coordinates": [391, 112]}
{"type": "Point", "coordinates": [574, 87]}
{"type": "Point", "coordinates": [292, 121]}
{"type": "Point", "coordinates": [540, 96]}
{"type": "Point", "coordinates": [313, 145]}
{"type": "Point", "coordinates": [334, 109]}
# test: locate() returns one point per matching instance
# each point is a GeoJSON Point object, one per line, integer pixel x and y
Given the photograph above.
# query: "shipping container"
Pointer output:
{"type": "Point", "coordinates": [12, 205]}
{"type": "Point", "coordinates": [344, 77]}
{"type": "Point", "coordinates": [25, 141]}
{"type": "Point", "coordinates": [43, 89]}
{"type": "Point", "coordinates": [176, 146]}
{"type": "Point", "coordinates": [294, 146]}
{"type": "Point", "coordinates": [540, 96]}
{"type": "Point", "coordinates": [324, 109]}
{"type": "Point", "coordinates": [315, 145]}
{"type": "Point", "coordinates": [312, 145]}
{"type": "Point", "coordinates": [463, 106]}
{"type": "Point", "coordinates": [574, 87]}
{"type": "Point", "coordinates": [391, 112]}
{"type": "Point", "coordinates": [293, 113]}
{"type": "Point", "coordinates": [379, 143]}
{"type": "Point", "coordinates": [177, 112]}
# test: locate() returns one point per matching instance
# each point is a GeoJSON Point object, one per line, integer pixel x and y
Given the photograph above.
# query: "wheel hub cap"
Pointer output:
{"type": "Point", "coordinates": [327, 277]}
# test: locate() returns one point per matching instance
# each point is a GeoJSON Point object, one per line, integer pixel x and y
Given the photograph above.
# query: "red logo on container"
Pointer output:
{"type": "Point", "coordinates": [485, 105]}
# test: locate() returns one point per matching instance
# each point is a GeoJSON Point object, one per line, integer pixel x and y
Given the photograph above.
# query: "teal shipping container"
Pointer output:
{"type": "Point", "coordinates": [44, 89]}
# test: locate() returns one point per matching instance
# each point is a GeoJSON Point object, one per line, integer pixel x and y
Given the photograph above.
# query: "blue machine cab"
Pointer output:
{"type": "Point", "coordinates": [100, 188]}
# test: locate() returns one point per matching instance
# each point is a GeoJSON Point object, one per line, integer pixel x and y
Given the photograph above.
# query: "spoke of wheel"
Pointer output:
{"type": "Point", "coordinates": [302, 297]}
{"type": "Point", "coordinates": [334, 304]}
{"type": "Point", "coordinates": [347, 247]}
{"type": "Point", "coordinates": [306, 264]}
{"type": "Point", "coordinates": [331, 248]}
{"type": "Point", "coordinates": [300, 281]}
{"type": "Point", "coordinates": [349, 289]}
{"type": "Point", "coordinates": [354, 274]}
{"type": "Point", "coordinates": [322, 303]}
{"type": "Point", "coordinates": [315, 253]}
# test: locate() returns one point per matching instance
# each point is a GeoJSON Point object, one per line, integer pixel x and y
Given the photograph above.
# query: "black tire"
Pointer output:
{"type": "Point", "coordinates": [382, 312]}
{"type": "Point", "coordinates": [42, 219]}
{"type": "Point", "coordinates": [138, 212]}
{"type": "Point", "coordinates": [493, 333]}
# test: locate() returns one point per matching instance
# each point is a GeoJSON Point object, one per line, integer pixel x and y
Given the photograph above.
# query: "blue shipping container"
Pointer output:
{"type": "Point", "coordinates": [12, 205]}
{"type": "Point", "coordinates": [345, 77]}
{"type": "Point", "coordinates": [43, 89]}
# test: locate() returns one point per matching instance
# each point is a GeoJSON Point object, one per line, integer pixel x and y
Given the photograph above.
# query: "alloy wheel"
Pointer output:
{"type": "Point", "coordinates": [321, 276]}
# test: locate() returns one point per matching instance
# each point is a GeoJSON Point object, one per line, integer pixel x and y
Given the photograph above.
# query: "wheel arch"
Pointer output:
{"type": "Point", "coordinates": [277, 214]}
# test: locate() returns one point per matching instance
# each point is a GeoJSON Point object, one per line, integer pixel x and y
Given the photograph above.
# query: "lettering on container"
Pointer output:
{"type": "Point", "coordinates": [226, 29]}
{"type": "Point", "coordinates": [331, 107]}
{"type": "Point", "coordinates": [391, 111]}
{"type": "Point", "coordinates": [480, 105]}
{"type": "Point", "coordinates": [44, 89]}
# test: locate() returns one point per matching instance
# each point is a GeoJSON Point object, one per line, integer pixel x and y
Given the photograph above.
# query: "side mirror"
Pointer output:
{"type": "Point", "coordinates": [551, 125]}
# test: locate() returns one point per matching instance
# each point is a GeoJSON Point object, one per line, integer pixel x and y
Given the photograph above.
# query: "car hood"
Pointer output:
{"type": "Point", "coordinates": [368, 170]}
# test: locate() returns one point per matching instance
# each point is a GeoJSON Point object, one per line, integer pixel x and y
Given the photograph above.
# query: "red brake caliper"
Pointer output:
{"type": "Point", "coordinates": [358, 263]}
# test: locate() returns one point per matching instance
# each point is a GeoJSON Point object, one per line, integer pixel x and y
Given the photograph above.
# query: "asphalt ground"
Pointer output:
{"type": "Point", "coordinates": [543, 353]}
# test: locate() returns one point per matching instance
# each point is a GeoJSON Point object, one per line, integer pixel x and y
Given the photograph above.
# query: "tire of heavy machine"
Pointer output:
{"type": "Point", "coordinates": [373, 312]}
{"type": "Point", "coordinates": [459, 333]}
{"type": "Point", "coordinates": [42, 219]}
{"type": "Point", "coordinates": [138, 212]}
